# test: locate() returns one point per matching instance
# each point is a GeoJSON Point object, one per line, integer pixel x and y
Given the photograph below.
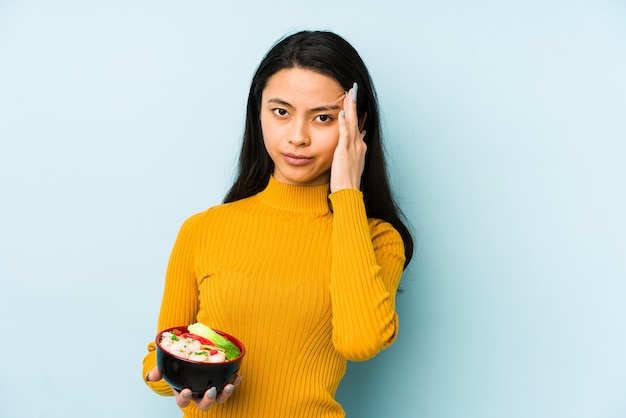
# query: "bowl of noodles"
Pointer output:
{"type": "Point", "coordinates": [190, 359]}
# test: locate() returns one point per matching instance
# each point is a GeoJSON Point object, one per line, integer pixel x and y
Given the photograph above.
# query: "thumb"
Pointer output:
{"type": "Point", "coordinates": [154, 375]}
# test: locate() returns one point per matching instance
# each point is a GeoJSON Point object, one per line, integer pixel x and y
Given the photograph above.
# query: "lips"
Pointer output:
{"type": "Point", "coordinates": [297, 159]}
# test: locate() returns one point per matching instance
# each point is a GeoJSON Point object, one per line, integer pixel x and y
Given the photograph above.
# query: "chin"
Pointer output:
{"type": "Point", "coordinates": [296, 180]}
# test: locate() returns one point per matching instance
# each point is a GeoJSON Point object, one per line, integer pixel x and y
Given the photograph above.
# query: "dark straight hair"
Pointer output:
{"type": "Point", "coordinates": [329, 54]}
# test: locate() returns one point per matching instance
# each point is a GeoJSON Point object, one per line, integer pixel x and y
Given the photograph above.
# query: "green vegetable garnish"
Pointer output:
{"type": "Point", "coordinates": [230, 350]}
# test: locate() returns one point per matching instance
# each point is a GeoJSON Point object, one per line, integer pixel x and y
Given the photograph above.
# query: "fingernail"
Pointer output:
{"type": "Point", "coordinates": [229, 389]}
{"type": "Point", "coordinates": [355, 89]}
{"type": "Point", "coordinates": [342, 113]}
{"type": "Point", "coordinates": [212, 393]}
{"type": "Point", "coordinates": [238, 380]}
{"type": "Point", "coordinates": [186, 394]}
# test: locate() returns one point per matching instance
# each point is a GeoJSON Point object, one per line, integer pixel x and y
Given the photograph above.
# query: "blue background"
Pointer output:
{"type": "Point", "coordinates": [506, 127]}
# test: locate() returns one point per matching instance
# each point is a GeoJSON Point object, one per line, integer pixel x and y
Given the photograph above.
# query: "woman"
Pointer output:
{"type": "Point", "coordinates": [303, 260]}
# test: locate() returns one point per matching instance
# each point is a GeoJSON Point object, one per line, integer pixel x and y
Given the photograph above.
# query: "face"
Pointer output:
{"type": "Point", "coordinates": [299, 120]}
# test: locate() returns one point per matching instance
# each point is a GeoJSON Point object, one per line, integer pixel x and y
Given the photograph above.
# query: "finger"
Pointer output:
{"type": "Point", "coordinates": [225, 394]}
{"type": "Point", "coordinates": [342, 117]}
{"type": "Point", "coordinates": [351, 126]}
{"type": "Point", "coordinates": [343, 128]}
{"type": "Point", "coordinates": [228, 390]}
{"type": "Point", "coordinates": [207, 400]}
{"type": "Point", "coordinates": [183, 397]}
{"type": "Point", "coordinates": [154, 375]}
{"type": "Point", "coordinates": [350, 106]}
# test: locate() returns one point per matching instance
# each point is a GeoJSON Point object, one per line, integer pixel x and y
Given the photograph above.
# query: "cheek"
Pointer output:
{"type": "Point", "coordinates": [268, 131]}
{"type": "Point", "coordinates": [330, 139]}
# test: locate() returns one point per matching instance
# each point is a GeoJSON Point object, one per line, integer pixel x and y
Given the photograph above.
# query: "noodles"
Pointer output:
{"type": "Point", "coordinates": [191, 347]}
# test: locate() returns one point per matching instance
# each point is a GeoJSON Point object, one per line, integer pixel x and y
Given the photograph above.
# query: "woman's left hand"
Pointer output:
{"type": "Point", "coordinates": [210, 397]}
{"type": "Point", "coordinates": [349, 157]}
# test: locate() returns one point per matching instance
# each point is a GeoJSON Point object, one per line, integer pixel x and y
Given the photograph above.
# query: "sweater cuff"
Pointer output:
{"type": "Point", "coordinates": [149, 362]}
{"type": "Point", "coordinates": [349, 198]}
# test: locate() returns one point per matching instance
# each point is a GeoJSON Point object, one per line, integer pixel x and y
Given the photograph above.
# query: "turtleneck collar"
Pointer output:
{"type": "Point", "coordinates": [290, 198]}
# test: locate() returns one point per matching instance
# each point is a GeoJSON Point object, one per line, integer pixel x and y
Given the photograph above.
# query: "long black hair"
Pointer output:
{"type": "Point", "coordinates": [329, 54]}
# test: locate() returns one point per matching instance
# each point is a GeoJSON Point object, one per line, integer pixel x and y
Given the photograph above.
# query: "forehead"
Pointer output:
{"type": "Point", "coordinates": [303, 86]}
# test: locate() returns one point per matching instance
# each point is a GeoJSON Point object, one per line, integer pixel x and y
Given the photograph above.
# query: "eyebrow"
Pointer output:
{"type": "Point", "coordinates": [315, 109]}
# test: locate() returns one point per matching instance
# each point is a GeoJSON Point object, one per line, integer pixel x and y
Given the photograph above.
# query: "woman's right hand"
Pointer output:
{"type": "Point", "coordinates": [349, 157]}
{"type": "Point", "coordinates": [206, 402]}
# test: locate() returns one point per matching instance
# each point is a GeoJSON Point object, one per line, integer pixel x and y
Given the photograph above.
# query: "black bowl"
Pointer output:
{"type": "Point", "coordinates": [199, 377]}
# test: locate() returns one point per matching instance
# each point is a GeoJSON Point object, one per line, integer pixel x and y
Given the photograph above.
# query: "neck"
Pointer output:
{"type": "Point", "coordinates": [290, 198]}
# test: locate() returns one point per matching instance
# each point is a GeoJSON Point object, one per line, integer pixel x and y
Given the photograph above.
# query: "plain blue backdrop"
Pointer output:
{"type": "Point", "coordinates": [506, 128]}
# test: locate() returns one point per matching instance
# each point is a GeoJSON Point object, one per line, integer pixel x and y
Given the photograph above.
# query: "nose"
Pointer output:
{"type": "Point", "coordinates": [299, 133]}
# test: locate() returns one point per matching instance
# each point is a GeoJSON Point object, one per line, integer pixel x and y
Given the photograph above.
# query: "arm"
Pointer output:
{"type": "Point", "coordinates": [180, 295]}
{"type": "Point", "coordinates": [366, 269]}
{"type": "Point", "coordinates": [367, 259]}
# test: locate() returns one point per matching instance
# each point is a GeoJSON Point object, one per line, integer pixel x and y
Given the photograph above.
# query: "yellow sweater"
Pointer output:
{"type": "Point", "coordinates": [304, 289]}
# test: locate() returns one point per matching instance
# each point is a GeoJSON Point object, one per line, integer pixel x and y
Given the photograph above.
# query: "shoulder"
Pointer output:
{"type": "Point", "coordinates": [214, 214]}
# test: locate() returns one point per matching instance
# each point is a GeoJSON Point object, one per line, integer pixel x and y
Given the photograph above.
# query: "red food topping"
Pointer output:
{"type": "Point", "coordinates": [199, 338]}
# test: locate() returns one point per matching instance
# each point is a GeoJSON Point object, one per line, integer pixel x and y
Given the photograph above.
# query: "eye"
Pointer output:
{"type": "Point", "coordinates": [280, 112]}
{"type": "Point", "coordinates": [324, 118]}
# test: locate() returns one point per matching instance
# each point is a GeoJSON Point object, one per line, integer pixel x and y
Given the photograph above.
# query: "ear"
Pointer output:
{"type": "Point", "coordinates": [362, 120]}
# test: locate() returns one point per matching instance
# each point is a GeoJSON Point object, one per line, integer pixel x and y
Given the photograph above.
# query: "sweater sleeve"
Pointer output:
{"type": "Point", "coordinates": [179, 304]}
{"type": "Point", "coordinates": [367, 263]}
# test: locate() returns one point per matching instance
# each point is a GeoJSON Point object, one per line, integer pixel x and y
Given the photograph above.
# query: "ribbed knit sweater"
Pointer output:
{"type": "Point", "coordinates": [303, 287]}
